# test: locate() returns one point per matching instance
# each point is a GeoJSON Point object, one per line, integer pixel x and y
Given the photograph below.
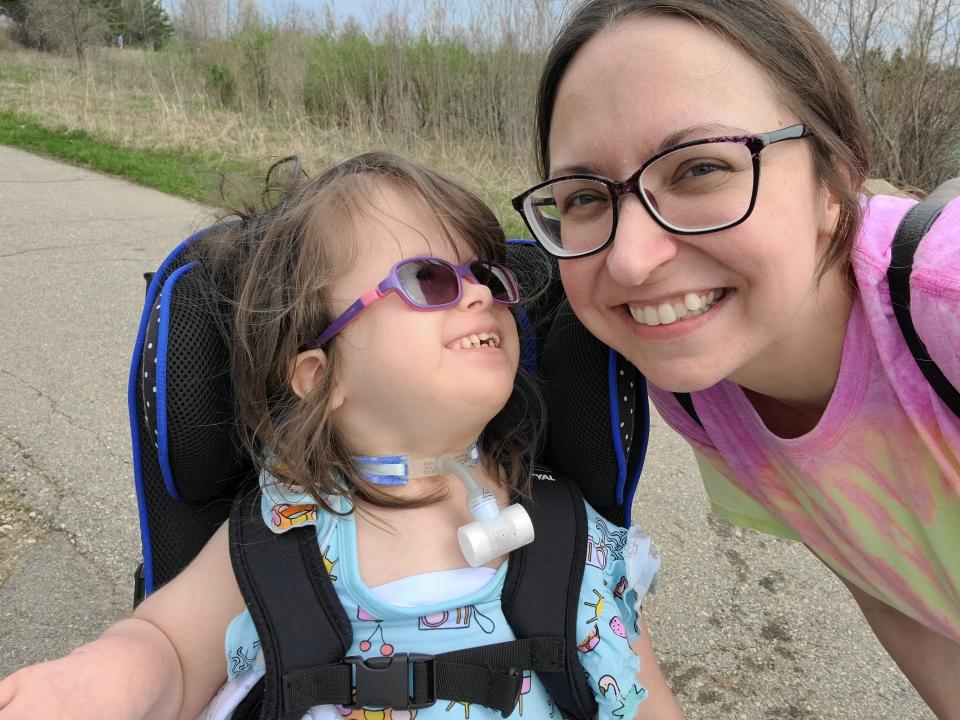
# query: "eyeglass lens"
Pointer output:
{"type": "Point", "coordinates": [695, 188]}
{"type": "Point", "coordinates": [429, 283]}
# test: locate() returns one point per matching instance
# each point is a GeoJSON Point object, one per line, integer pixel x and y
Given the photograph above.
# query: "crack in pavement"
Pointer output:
{"type": "Point", "coordinates": [73, 422]}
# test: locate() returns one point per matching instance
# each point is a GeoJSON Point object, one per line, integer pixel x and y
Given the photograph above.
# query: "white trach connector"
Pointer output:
{"type": "Point", "coordinates": [493, 532]}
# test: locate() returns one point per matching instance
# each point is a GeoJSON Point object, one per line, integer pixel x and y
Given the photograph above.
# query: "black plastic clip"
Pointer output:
{"type": "Point", "coordinates": [382, 682]}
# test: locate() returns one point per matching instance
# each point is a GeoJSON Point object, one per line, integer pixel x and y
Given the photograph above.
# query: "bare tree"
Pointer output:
{"type": "Point", "coordinates": [66, 25]}
{"type": "Point", "coordinates": [200, 19]}
{"type": "Point", "coordinates": [903, 57]}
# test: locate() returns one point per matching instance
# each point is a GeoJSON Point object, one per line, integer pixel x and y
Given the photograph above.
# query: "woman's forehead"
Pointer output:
{"type": "Point", "coordinates": [652, 80]}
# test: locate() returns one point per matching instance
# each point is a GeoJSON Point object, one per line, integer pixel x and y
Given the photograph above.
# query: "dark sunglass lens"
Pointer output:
{"type": "Point", "coordinates": [428, 283]}
{"type": "Point", "coordinates": [497, 278]}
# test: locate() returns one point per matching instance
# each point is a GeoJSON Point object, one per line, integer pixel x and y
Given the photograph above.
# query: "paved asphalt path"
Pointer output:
{"type": "Point", "coordinates": [746, 626]}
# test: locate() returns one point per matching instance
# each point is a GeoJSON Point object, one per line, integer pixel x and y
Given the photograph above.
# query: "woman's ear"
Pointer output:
{"type": "Point", "coordinates": [830, 216]}
{"type": "Point", "coordinates": [306, 373]}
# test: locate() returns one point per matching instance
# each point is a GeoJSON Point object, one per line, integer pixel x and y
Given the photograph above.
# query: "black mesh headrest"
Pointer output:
{"type": "Point", "coordinates": [186, 370]}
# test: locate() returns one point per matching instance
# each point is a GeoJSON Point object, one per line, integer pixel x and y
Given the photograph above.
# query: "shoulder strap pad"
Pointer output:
{"type": "Point", "coordinates": [541, 592]}
{"type": "Point", "coordinates": [913, 227]}
{"type": "Point", "coordinates": [686, 402]}
{"type": "Point", "coordinates": [287, 591]}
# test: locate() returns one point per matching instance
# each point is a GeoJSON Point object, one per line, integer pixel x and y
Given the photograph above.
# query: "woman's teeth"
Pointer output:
{"type": "Point", "coordinates": [667, 313]}
{"type": "Point", "coordinates": [478, 340]}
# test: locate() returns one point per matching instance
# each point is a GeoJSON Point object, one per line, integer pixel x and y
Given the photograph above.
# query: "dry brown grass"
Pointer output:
{"type": "Point", "coordinates": [143, 100]}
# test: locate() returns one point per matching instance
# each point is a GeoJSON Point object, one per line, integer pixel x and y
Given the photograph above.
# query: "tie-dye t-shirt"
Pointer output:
{"type": "Point", "coordinates": [874, 488]}
{"type": "Point", "coordinates": [444, 611]}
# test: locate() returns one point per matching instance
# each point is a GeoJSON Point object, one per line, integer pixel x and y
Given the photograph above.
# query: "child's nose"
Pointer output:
{"type": "Point", "coordinates": [476, 296]}
{"type": "Point", "coordinates": [640, 246]}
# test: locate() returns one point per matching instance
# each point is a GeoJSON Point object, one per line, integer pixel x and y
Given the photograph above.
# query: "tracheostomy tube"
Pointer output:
{"type": "Point", "coordinates": [493, 532]}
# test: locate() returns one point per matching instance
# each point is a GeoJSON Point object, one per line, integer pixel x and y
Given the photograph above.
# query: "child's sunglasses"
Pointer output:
{"type": "Point", "coordinates": [429, 283]}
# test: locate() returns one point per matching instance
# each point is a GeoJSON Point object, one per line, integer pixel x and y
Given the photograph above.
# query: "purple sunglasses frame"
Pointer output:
{"type": "Point", "coordinates": [755, 143]}
{"type": "Point", "coordinates": [392, 283]}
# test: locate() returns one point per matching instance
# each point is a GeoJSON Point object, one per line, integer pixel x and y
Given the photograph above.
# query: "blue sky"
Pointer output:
{"type": "Point", "coordinates": [363, 10]}
{"type": "Point", "coordinates": [370, 12]}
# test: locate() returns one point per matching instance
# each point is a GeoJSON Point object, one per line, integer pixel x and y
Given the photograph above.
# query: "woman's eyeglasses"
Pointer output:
{"type": "Point", "coordinates": [693, 188]}
{"type": "Point", "coordinates": [429, 283]}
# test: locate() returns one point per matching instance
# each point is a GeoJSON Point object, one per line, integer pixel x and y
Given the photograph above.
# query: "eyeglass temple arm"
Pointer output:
{"type": "Point", "coordinates": [788, 133]}
{"type": "Point", "coordinates": [364, 301]}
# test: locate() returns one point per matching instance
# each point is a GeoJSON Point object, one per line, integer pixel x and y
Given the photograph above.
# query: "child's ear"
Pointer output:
{"type": "Point", "coordinates": [306, 372]}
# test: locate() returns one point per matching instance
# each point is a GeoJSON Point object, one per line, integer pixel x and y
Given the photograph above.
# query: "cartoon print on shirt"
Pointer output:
{"type": "Point", "coordinates": [241, 661]}
{"type": "Point", "coordinates": [606, 546]}
{"type": "Point", "coordinates": [596, 552]}
{"type": "Point", "coordinates": [386, 649]}
{"type": "Point", "coordinates": [597, 606]}
{"type": "Point", "coordinates": [458, 619]}
{"type": "Point", "coordinates": [328, 563]}
{"type": "Point", "coordinates": [525, 686]}
{"type": "Point", "coordinates": [608, 684]}
{"type": "Point", "coordinates": [616, 624]}
{"type": "Point", "coordinates": [285, 516]}
{"type": "Point", "coordinates": [372, 714]}
{"type": "Point", "coordinates": [590, 642]}
{"type": "Point", "coordinates": [629, 702]}
{"type": "Point", "coordinates": [621, 588]}
{"type": "Point", "coordinates": [466, 708]}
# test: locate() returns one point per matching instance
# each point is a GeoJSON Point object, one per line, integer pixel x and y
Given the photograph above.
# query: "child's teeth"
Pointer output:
{"type": "Point", "coordinates": [667, 315]}
{"type": "Point", "coordinates": [650, 316]}
{"type": "Point", "coordinates": [680, 310]}
{"type": "Point", "coordinates": [478, 340]}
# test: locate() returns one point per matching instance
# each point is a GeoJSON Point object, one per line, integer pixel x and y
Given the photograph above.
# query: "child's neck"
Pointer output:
{"type": "Point", "coordinates": [398, 469]}
{"type": "Point", "coordinates": [397, 543]}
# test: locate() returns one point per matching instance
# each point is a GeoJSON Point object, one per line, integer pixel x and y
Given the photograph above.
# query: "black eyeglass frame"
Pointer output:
{"type": "Point", "coordinates": [755, 144]}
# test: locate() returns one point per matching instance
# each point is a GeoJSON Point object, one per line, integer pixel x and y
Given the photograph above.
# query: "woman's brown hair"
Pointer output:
{"type": "Point", "coordinates": [271, 269]}
{"type": "Point", "coordinates": [804, 73]}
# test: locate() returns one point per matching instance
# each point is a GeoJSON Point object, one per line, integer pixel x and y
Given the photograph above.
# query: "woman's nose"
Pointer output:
{"type": "Point", "coordinates": [640, 246]}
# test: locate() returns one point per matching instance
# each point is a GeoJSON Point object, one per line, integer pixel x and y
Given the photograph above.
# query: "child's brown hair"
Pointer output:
{"type": "Point", "coordinates": [271, 271]}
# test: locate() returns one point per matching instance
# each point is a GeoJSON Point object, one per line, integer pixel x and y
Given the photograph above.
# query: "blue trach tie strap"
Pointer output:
{"type": "Point", "coordinates": [398, 469]}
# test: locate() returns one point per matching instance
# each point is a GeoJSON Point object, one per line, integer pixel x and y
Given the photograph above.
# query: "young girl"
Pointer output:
{"type": "Point", "coordinates": [328, 386]}
{"type": "Point", "coordinates": [703, 160]}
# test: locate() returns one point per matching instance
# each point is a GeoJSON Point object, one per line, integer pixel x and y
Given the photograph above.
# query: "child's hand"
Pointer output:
{"type": "Point", "coordinates": [121, 676]}
{"type": "Point", "coordinates": [63, 688]}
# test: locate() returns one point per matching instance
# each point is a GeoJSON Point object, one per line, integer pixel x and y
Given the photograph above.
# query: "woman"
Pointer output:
{"type": "Point", "coordinates": [763, 294]}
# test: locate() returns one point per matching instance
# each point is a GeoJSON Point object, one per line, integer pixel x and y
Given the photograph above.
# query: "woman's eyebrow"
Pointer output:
{"type": "Point", "coordinates": [691, 132]}
{"type": "Point", "coordinates": [577, 169]}
{"type": "Point", "coordinates": [697, 132]}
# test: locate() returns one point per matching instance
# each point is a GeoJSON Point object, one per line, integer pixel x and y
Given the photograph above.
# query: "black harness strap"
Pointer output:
{"type": "Point", "coordinates": [488, 675]}
{"type": "Point", "coordinates": [686, 402]}
{"type": "Point", "coordinates": [541, 592]}
{"type": "Point", "coordinates": [913, 227]}
{"type": "Point", "coordinates": [305, 633]}
{"type": "Point", "coordinates": [288, 592]}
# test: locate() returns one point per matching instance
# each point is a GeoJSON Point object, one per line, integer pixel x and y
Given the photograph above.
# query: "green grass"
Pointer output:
{"type": "Point", "coordinates": [15, 74]}
{"type": "Point", "coordinates": [186, 175]}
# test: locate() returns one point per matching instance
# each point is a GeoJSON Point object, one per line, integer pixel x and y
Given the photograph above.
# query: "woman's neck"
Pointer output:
{"type": "Point", "coordinates": [791, 383]}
